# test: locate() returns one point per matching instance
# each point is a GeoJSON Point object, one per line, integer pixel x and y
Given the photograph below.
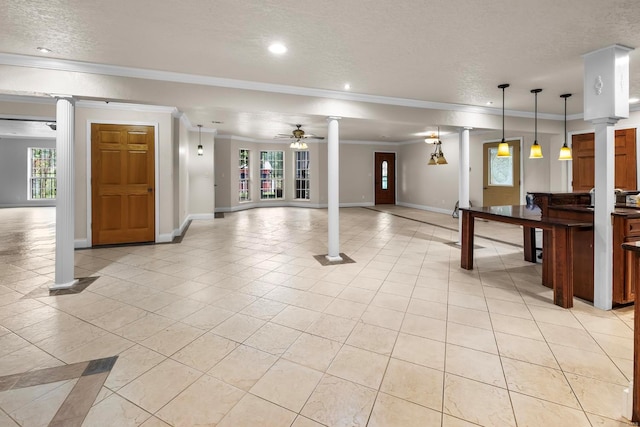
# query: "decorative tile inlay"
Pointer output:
{"type": "Point", "coordinates": [74, 409]}
{"type": "Point", "coordinates": [322, 259]}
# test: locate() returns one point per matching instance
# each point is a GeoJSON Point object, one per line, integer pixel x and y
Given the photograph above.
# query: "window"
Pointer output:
{"type": "Point", "coordinates": [500, 168]}
{"type": "Point", "coordinates": [385, 174]}
{"type": "Point", "coordinates": [42, 173]}
{"type": "Point", "coordinates": [243, 191]}
{"type": "Point", "coordinates": [271, 175]}
{"type": "Point", "coordinates": [302, 175]}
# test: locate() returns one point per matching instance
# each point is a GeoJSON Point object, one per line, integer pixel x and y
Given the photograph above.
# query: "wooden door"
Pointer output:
{"type": "Point", "coordinates": [583, 152]}
{"type": "Point", "coordinates": [501, 182]}
{"type": "Point", "coordinates": [385, 178]}
{"type": "Point", "coordinates": [122, 184]}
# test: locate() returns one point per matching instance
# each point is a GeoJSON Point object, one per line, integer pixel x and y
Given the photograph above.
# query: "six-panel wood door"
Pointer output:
{"type": "Point", "coordinates": [583, 152]}
{"type": "Point", "coordinates": [385, 178]}
{"type": "Point", "coordinates": [123, 184]}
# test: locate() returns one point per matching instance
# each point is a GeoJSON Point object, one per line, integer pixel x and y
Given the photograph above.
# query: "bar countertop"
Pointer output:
{"type": "Point", "coordinates": [620, 210]}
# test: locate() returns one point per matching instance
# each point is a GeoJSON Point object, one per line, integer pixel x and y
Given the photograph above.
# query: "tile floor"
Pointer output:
{"type": "Point", "coordinates": [239, 325]}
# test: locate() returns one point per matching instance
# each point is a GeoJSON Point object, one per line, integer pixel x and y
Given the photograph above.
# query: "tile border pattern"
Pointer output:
{"type": "Point", "coordinates": [91, 376]}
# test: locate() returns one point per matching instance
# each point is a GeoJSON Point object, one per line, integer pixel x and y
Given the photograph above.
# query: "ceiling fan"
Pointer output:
{"type": "Point", "coordinates": [298, 134]}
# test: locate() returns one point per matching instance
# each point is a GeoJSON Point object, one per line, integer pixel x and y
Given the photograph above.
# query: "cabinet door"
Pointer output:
{"type": "Point", "coordinates": [630, 272]}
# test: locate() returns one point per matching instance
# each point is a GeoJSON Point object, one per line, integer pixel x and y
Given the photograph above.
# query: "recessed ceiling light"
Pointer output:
{"type": "Point", "coordinates": [277, 48]}
{"type": "Point", "coordinates": [347, 86]}
{"type": "Point", "coordinates": [489, 102]}
{"type": "Point", "coordinates": [44, 50]}
{"type": "Point", "coordinates": [634, 100]}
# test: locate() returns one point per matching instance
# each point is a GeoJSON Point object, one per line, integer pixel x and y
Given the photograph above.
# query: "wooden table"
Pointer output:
{"type": "Point", "coordinates": [560, 250]}
{"type": "Point", "coordinates": [635, 415]}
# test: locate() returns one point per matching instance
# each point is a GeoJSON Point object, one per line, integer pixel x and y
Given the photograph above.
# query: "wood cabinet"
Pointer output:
{"type": "Point", "coordinates": [546, 200]}
{"type": "Point", "coordinates": [626, 229]}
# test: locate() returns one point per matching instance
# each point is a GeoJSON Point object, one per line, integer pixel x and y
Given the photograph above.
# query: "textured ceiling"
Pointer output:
{"type": "Point", "coordinates": [430, 50]}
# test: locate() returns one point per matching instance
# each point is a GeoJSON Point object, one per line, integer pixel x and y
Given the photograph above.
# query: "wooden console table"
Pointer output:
{"type": "Point", "coordinates": [561, 232]}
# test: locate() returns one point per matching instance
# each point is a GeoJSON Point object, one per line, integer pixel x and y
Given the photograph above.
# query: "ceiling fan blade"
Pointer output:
{"type": "Point", "coordinates": [313, 137]}
{"type": "Point", "coordinates": [283, 135]}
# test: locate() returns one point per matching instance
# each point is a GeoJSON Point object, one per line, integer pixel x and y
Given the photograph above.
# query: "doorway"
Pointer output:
{"type": "Point", "coordinates": [385, 178]}
{"type": "Point", "coordinates": [583, 147]}
{"type": "Point", "coordinates": [122, 184]}
{"type": "Point", "coordinates": [501, 175]}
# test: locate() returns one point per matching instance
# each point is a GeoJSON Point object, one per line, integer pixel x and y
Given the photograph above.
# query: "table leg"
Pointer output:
{"type": "Point", "coordinates": [562, 249]}
{"type": "Point", "coordinates": [466, 251]}
{"type": "Point", "coordinates": [547, 270]}
{"type": "Point", "coordinates": [635, 415]}
{"type": "Point", "coordinates": [529, 239]}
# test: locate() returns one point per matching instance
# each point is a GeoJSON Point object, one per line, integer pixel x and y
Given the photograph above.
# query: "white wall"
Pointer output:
{"type": "Point", "coordinates": [14, 171]}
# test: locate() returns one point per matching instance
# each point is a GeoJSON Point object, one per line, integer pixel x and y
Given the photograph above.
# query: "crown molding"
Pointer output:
{"type": "Point", "coordinates": [146, 108]}
{"type": "Point", "coordinates": [28, 99]}
{"type": "Point", "coordinates": [169, 76]}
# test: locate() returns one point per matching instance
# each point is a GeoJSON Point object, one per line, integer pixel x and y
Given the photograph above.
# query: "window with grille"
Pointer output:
{"type": "Point", "coordinates": [244, 194]}
{"type": "Point", "coordinates": [42, 173]}
{"type": "Point", "coordinates": [271, 175]}
{"type": "Point", "coordinates": [302, 175]}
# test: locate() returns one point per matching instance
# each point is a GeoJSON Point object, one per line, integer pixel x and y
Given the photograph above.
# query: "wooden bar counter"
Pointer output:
{"type": "Point", "coordinates": [561, 235]}
{"type": "Point", "coordinates": [634, 250]}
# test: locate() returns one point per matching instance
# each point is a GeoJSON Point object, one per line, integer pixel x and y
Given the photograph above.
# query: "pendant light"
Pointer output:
{"type": "Point", "coordinates": [437, 157]}
{"type": "Point", "coordinates": [440, 155]}
{"type": "Point", "coordinates": [536, 149]}
{"type": "Point", "coordinates": [503, 147]}
{"type": "Point", "coordinates": [200, 149]}
{"type": "Point", "coordinates": [565, 151]}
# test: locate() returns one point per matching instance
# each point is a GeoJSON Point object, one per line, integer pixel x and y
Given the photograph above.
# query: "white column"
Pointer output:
{"type": "Point", "coordinates": [65, 120]}
{"type": "Point", "coordinates": [463, 176]}
{"type": "Point", "coordinates": [333, 169]}
{"type": "Point", "coordinates": [604, 206]}
{"type": "Point", "coordinates": [606, 100]}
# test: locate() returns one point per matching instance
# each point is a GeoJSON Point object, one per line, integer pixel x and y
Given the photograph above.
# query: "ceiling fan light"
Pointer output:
{"type": "Point", "coordinates": [536, 151]}
{"type": "Point", "coordinates": [432, 160]}
{"type": "Point", "coordinates": [441, 160]}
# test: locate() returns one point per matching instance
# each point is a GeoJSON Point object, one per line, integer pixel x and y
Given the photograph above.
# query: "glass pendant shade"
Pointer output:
{"type": "Point", "coordinates": [565, 153]}
{"type": "Point", "coordinates": [441, 160]}
{"type": "Point", "coordinates": [503, 147]}
{"type": "Point", "coordinates": [200, 150]}
{"type": "Point", "coordinates": [503, 150]}
{"type": "Point", "coordinates": [432, 160]}
{"type": "Point", "coordinates": [536, 151]}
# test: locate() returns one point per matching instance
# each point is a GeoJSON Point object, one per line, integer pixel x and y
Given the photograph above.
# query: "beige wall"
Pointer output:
{"type": "Point", "coordinates": [356, 173]}
{"type": "Point", "coordinates": [222, 156]}
{"type": "Point", "coordinates": [180, 127]}
{"type": "Point", "coordinates": [201, 174]}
